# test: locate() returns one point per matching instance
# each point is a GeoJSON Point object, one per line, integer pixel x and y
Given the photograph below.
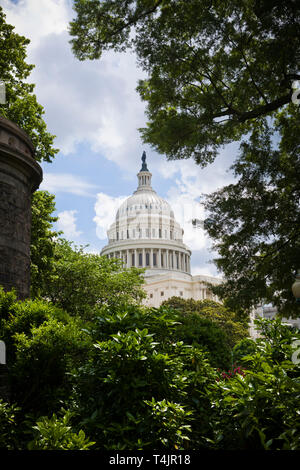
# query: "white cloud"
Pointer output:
{"type": "Point", "coordinates": [91, 101]}
{"type": "Point", "coordinates": [185, 196]}
{"type": "Point", "coordinates": [67, 183]}
{"type": "Point", "coordinates": [204, 270]}
{"type": "Point", "coordinates": [67, 223]}
{"type": "Point", "coordinates": [36, 19]}
{"type": "Point", "coordinates": [106, 207]}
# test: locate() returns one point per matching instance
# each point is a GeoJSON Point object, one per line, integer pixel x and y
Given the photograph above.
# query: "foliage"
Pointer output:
{"type": "Point", "coordinates": [8, 425]}
{"type": "Point", "coordinates": [203, 332]}
{"type": "Point", "coordinates": [81, 281]}
{"type": "Point", "coordinates": [43, 360]}
{"type": "Point", "coordinates": [234, 327]}
{"type": "Point", "coordinates": [170, 419]}
{"type": "Point", "coordinates": [254, 223]}
{"type": "Point", "coordinates": [230, 373]}
{"type": "Point", "coordinates": [243, 348]}
{"type": "Point", "coordinates": [277, 338]}
{"type": "Point", "coordinates": [56, 434]}
{"type": "Point", "coordinates": [21, 105]}
{"type": "Point", "coordinates": [137, 377]}
{"type": "Point", "coordinates": [125, 381]}
{"type": "Point", "coordinates": [18, 317]}
{"type": "Point", "coordinates": [213, 67]}
{"type": "Point", "coordinates": [44, 344]}
{"type": "Point", "coordinates": [259, 410]}
{"type": "Point", "coordinates": [43, 238]}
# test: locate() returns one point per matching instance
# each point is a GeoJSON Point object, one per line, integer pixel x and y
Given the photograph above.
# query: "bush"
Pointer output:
{"type": "Point", "coordinates": [260, 409]}
{"type": "Point", "coordinates": [8, 426]}
{"type": "Point", "coordinates": [203, 332]}
{"type": "Point", "coordinates": [43, 345]}
{"type": "Point", "coordinates": [242, 349]}
{"type": "Point", "coordinates": [135, 376]}
{"type": "Point", "coordinates": [56, 434]}
{"type": "Point", "coordinates": [44, 359]}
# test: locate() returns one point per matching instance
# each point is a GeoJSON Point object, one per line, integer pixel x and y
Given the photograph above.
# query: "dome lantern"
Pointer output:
{"type": "Point", "coordinates": [144, 176]}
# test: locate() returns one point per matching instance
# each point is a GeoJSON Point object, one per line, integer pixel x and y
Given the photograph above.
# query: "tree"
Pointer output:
{"type": "Point", "coordinates": [82, 281]}
{"type": "Point", "coordinates": [43, 239]}
{"type": "Point", "coordinates": [21, 104]}
{"type": "Point", "coordinates": [213, 67]}
{"type": "Point", "coordinates": [233, 327]}
{"type": "Point", "coordinates": [255, 223]}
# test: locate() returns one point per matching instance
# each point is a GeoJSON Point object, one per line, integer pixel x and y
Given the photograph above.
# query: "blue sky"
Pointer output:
{"type": "Point", "coordinates": [94, 111]}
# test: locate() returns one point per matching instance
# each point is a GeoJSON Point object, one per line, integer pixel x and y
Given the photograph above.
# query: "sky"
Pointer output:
{"type": "Point", "coordinates": [94, 111]}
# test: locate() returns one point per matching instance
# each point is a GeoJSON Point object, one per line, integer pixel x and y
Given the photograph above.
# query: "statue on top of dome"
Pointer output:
{"type": "Point", "coordinates": [144, 165]}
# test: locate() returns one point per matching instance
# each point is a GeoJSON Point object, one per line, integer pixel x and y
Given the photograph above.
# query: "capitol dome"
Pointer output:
{"type": "Point", "coordinates": [145, 233]}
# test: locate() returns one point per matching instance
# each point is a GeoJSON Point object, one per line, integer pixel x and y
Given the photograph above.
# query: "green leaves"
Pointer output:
{"type": "Point", "coordinates": [8, 424]}
{"type": "Point", "coordinates": [217, 66]}
{"type": "Point", "coordinates": [21, 104]}
{"type": "Point", "coordinates": [140, 381]}
{"type": "Point", "coordinates": [260, 410]}
{"type": "Point", "coordinates": [255, 223]}
{"type": "Point", "coordinates": [55, 433]}
{"type": "Point", "coordinates": [80, 282]}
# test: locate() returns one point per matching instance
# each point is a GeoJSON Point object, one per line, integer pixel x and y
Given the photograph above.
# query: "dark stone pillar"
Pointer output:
{"type": "Point", "coordinates": [20, 176]}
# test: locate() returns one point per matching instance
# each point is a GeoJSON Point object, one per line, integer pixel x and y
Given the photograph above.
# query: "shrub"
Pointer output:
{"type": "Point", "coordinates": [260, 409]}
{"type": "Point", "coordinates": [242, 349]}
{"type": "Point", "coordinates": [56, 434]}
{"type": "Point", "coordinates": [134, 374]}
{"type": "Point", "coordinates": [8, 426]}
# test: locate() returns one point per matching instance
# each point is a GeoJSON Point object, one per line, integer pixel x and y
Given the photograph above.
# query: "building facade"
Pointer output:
{"type": "Point", "coordinates": [145, 234]}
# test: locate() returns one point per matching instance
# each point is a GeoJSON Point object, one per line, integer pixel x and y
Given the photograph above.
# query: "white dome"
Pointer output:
{"type": "Point", "coordinates": [144, 201]}
{"type": "Point", "coordinates": [145, 232]}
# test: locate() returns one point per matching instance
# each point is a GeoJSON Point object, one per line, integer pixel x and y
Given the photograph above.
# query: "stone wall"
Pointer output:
{"type": "Point", "coordinates": [20, 175]}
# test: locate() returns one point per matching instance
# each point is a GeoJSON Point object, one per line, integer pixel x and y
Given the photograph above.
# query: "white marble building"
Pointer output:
{"type": "Point", "coordinates": [145, 234]}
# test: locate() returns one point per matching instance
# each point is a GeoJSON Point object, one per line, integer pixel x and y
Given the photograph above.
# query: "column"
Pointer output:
{"type": "Point", "coordinates": [128, 260]}
{"type": "Point", "coordinates": [159, 258]}
{"type": "Point", "coordinates": [135, 258]}
{"type": "Point", "coordinates": [144, 260]}
{"type": "Point", "coordinates": [151, 258]}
